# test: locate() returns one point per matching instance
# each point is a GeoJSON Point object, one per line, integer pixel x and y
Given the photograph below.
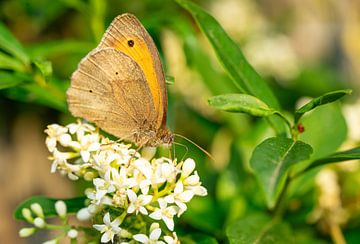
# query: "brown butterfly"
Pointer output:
{"type": "Point", "coordinates": [120, 85]}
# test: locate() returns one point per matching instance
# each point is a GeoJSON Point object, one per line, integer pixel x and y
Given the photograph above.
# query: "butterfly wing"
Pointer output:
{"type": "Point", "coordinates": [109, 89]}
{"type": "Point", "coordinates": [128, 35]}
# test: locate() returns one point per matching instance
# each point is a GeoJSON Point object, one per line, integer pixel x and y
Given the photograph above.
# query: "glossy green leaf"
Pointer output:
{"type": "Point", "coordinates": [321, 100]}
{"type": "Point", "coordinates": [241, 103]}
{"type": "Point", "coordinates": [325, 130]}
{"type": "Point", "coordinates": [48, 204]}
{"type": "Point", "coordinates": [351, 154]}
{"type": "Point", "coordinates": [271, 161]}
{"type": "Point", "coordinates": [246, 79]}
{"type": "Point", "coordinates": [259, 229]}
{"type": "Point", "coordinates": [11, 45]}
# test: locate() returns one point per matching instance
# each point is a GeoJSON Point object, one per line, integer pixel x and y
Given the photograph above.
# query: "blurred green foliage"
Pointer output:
{"type": "Point", "coordinates": [42, 41]}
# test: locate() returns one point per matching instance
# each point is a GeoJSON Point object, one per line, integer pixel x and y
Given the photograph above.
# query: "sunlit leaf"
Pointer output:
{"type": "Point", "coordinates": [246, 79]}
{"type": "Point", "coordinates": [321, 100]}
{"type": "Point", "coordinates": [351, 154]}
{"type": "Point", "coordinates": [241, 103]}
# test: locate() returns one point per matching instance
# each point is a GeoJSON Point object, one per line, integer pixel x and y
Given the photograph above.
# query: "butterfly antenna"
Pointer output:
{"type": "Point", "coordinates": [196, 145]}
{"type": "Point", "coordinates": [186, 148]}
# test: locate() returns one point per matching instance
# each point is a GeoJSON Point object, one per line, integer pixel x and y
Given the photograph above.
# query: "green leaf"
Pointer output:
{"type": "Point", "coordinates": [8, 62]}
{"type": "Point", "coordinates": [241, 103]}
{"type": "Point", "coordinates": [259, 229]}
{"type": "Point", "coordinates": [351, 154]}
{"type": "Point", "coordinates": [48, 204]}
{"type": "Point", "coordinates": [197, 238]}
{"type": "Point", "coordinates": [246, 79]}
{"type": "Point", "coordinates": [11, 45]}
{"type": "Point", "coordinates": [271, 161]}
{"type": "Point", "coordinates": [8, 80]}
{"type": "Point", "coordinates": [321, 100]}
{"type": "Point", "coordinates": [45, 67]}
{"type": "Point", "coordinates": [325, 130]}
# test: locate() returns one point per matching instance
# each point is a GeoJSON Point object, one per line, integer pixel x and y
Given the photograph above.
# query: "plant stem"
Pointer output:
{"type": "Point", "coordinates": [279, 208]}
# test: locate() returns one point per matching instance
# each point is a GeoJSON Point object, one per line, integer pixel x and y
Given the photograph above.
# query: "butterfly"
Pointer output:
{"type": "Point", "coordinates": [120, 85]}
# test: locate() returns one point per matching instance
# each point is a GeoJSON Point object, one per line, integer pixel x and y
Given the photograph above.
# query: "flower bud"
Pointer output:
{"type": "Point", "coordinates": [188, 167]}
{"type": "Point", "coordinates": [83, 214]}
{"type": "Point", "coordinates": [39, 222]}
{"type": "Point", "coordinates": [26, 213]}
{"type": "Point", "coordinates": [37, 209]}
{"type": "Point", "coordinates": [89, 176]}
{"type": "Point", "coordinates": [53, 241]}
{"type": "Point", "coordinates": [60, 208]}
{"type": "Point", "coordinates": [25, 232]}
{"type": "Point", "coordinates": [72, 233]}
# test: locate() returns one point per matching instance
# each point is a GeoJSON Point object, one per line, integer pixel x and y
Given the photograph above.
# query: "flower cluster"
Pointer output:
{"type": "Point", "coordinates": [35, 216]}
{"type": "Point", "coordinates": [128, 190]}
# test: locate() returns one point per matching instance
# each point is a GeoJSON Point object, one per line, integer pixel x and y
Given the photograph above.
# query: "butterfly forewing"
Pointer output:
{"type": "Point", "coordinates": [127, 35]}
{"type": "Point", "coordinates": [109, 89]}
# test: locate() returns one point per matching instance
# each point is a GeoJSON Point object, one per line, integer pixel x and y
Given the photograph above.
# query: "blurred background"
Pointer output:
{"type": "Point", "coordinates": [302, 48]}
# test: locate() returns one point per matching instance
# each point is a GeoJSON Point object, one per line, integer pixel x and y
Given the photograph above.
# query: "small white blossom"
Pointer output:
{"type": "Point", "coordinates": [153, 238]}
{"type": "Point", "coordinates": [86, 145]}
{"type": "Point", "coordinates": [137, 203]}
{"type": "Point", "coordinates": [54, 132]}
{"type": "Point", "coordinates": [109, 229]}
{"type": "Point", "coordinates": [165, 213]}
{"type": "Point", "coordinates": [180, 197]}
{"type": "Point", "coordinates": [172, 239]}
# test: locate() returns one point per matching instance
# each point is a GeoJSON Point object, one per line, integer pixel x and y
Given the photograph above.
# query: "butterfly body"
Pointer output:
{"type": "Point", "coordinates": [120, 85]}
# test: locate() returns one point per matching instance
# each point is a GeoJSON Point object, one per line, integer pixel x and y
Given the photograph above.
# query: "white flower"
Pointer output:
{"type": "Point", "coordinates": [180, 197]}
{"type": "Point", "coordinates": [137, 203]}
{"type": "Point", "coordinates": [165, 213]}
{"type": "Point", "coordinates": [193, 183]}
{"type": "Point", "coordinates": [172, 239]}
{"type": "Point", "coordinates": [110, 229]}
{"type": "Point", "coordinates": [54, 132]}
{"type": "Point", "coordinates": [168, 170]}
{"type": "Point", "coordinates": [152, 174]}
{"type": "Point", "coordinates": [155, 233]}
{"type": "Point", "coordinates": [86, 144]}
{"type": "Point", "coordinates": [102, 187]}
